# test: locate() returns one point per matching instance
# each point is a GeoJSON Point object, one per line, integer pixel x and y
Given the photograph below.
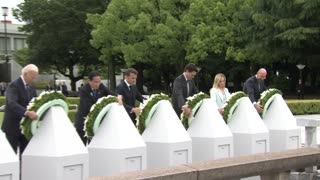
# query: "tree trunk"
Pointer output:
{"type": "Point", "coordinates": [111, 73]}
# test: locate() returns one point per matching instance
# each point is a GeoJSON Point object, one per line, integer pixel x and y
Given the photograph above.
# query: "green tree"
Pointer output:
{"type": "Point", "coordinates": [58, 36]}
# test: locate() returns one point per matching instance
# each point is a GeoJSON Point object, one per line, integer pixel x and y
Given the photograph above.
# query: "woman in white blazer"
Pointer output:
{"type": "Point", "coordinates": [219, 93]}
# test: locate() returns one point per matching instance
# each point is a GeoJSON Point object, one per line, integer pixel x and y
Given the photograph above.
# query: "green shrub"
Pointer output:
{"type": "Point", "coordinates": [72, 115]}
{"type": "Point", "coordinates": [73, 100]}
{"type": "Point", "coordinates": [299, 107]}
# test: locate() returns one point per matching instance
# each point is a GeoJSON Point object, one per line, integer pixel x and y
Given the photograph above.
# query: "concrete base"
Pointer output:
{"type": "Point", "coordinates": [9, 161]}
{"type": "Point", "coordinates": [281, 140]}
{"type": "Point", "coordinates": [53, 168]}
{"type": "Point", "coordinates": [106, 162]}
{"type": "Point", "coordinates": [168, 154]}
{"type": "Point", "coordinates": [247, 144]}
{"type": "Point", "coordinates": [204, 149]}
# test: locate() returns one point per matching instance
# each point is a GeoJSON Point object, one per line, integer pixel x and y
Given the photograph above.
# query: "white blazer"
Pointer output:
{"type": "Point", "coordinates": [218, 97]}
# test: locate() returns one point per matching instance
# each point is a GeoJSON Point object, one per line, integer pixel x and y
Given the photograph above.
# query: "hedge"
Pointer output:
{"type": "Point", "coordinates": [297, 107]}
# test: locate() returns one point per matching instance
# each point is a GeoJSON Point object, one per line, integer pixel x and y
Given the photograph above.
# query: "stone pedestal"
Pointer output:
{"type": "Point", "coordinates": [250, 134]}
{"type": "Point", "coordinates": [56, 151]}
{"type": "Point", "coordinates": [168, 143]}
{"type": "Point", "coordinates": [117, 146]}
{"type": "Point", "coordinates": [282, 125]}
{"type": "Point", "coordinates": [211, 137]}
{"type": "Point", "coordinates": [9, 161]}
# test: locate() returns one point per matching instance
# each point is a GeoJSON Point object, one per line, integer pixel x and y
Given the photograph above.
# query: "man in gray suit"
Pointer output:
{"type": "Point", "coordinates": [254, 86]}
{"type": "Point", "coordinates": [184, 87]}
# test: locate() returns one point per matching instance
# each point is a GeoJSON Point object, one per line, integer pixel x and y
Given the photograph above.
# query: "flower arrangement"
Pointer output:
{"type": "Point", "coordinates": [193, 103]}
{"type": "Point", "coordinates": [266, 98]}
{"type": "Point", "coordinates": [231, 104]}
{"type": "Point", "coordinates": [96, 114]}
{"type": "Point", "coordinates": [148, 110]}
{"type": "Point", "coordinates": [40, 105]}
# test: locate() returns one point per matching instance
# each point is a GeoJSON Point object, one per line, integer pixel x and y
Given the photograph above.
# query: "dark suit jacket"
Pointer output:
{"type": "Point", "coordinates": [180, 92]}
{"type": "Point", "coordinates": [17, 99]}
{"type": "Point", "coordinates": [251, 87]}
{"type": "Point", "coordinates": [87, 99]}
{"type": "Point", "coordinates": [129, 97]}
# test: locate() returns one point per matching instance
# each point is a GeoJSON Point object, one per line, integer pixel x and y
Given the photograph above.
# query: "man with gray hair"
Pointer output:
{"type": "Point", "coordinates": [18, 95]}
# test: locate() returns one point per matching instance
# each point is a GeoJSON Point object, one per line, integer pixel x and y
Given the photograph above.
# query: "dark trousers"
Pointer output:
{"type": "Point", "coordinates": [17, 141]}
{"type": "Point", "coordinates": [84, 139]}
{"type": "Point", "coordinates": [133, 118]}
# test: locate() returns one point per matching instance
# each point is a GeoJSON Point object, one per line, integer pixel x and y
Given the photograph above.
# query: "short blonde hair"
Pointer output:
{"type": "Point", "coordinates": [217, 79]}
{"type": "Point", "coordinates": [29, 68]}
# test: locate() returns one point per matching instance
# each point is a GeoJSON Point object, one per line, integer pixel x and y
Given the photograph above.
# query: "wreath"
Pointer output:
{"type": "Point", "coordinates": [231, 104]}
{"type": "Point", "coordinates": [40, 105]}
{"type": "Point", "coordinates": [267, 98]}
{"type": "Point", "coordinates": [193, 103]}
{"type": "Point", "coordinates": [149, 109]}
{"type": "Point", "coordinates": [96, 115]}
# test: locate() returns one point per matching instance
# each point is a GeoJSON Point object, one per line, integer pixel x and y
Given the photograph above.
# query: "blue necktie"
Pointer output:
{"type": "Point", "coordinates": [94, 92]}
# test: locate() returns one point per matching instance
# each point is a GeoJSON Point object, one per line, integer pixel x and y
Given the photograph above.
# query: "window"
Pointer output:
{"type": "Point", "coordinates": [3, 45]}
{"type": "Point", "coordinates": [19, 43]}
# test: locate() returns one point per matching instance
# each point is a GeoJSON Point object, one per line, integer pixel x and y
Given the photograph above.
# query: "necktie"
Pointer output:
{"type": "Point", "coordinates": [28, 89]}
{"type": "Point", "coordinates": [94, 92]}
{"type": "Point", "coordinates": [129, 88]}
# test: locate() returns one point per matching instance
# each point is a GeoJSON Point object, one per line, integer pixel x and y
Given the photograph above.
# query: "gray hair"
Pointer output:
{"type": "Point", "coordinates": [28, 68]}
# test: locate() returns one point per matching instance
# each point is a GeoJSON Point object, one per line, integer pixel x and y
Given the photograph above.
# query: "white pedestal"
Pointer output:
{"type": "Point", "coordinates": [250, 134]}
{"type": "Point", "coordinates": [9, 161]}
{"type": "Point", "coordinates": [284, 132]}
{"type": "Point", "coordinates": [117, 146]}
{"type": "Point", "coordinates": [56, 151]}
{"type": "Point", "coordinates": [168, 143]}
{"type": "Point", "coordinates": [211, 137]}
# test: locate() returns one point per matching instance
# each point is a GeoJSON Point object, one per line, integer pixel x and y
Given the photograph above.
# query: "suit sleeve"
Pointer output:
{"type": "Point", "coordinates": [250, 90]}
{"type": "Point", "coordinates": [13, 100]}
{"type": "Point", "coordinates": [120, 91]}
{"type": "Point", "coordinates": [178, 91]}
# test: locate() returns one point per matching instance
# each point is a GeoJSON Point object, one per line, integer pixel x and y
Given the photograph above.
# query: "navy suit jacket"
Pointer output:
{"type": "Point", "coordinates": [129, 97]}
{"type": "Point", "coordinates": [251, 88]}
{"type": "Point", "coordinates": [17, 99]}
{"type": "Point", "coordinates": [87, 99]}
{"type": "Point", "coordinates": [180, 92]}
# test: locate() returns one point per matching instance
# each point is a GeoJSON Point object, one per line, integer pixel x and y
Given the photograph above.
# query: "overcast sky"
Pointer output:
{"type": "Point", "coordinates": [10, 4]}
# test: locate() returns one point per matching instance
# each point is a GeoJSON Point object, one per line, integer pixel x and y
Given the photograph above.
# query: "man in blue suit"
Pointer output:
{"type": "Point", "coordinates": [18, 95]}
{"type": "Point", "coordinates": [130, 93]}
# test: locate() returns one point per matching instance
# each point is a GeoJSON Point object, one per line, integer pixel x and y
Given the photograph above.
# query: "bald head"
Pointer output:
{"type": "Point", "coordinates": [30, 73]}
{"type": "Point", "coordinates": [262, 74]}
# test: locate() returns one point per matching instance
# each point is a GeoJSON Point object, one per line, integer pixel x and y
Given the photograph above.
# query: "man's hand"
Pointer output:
{"type": "Point", "coordinates": [32, 115]}
{"type": "Point", "coordinates": [136, 110]}
{"type": "Point", "coordinates": [221, 111]}
{"type": "Point", "coordinates": [258, 107]}
{"type": "Point", "coordinates": [187, 111]}
{"type": "Point", "coordinates": [119, 98]}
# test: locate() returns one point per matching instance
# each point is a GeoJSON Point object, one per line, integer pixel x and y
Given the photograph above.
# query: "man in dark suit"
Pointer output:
{"type": "Point", "coordinates": [19, 93]}
{"type": "Point", "coordinates": [130, 93]}
{"type": "Point", "coordinates": [254, 86]}
{"type": "Point", "coordinates": [184, 87]}
{"type": "Point", "coordinates": [89, 94]}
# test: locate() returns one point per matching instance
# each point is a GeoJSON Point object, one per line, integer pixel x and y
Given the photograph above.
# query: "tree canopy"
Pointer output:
{"type": "Point", "coordinates": [58, 36]}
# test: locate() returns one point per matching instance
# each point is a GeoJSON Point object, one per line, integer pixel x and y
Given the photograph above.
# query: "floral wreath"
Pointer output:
{"type": "Point", "coordinates": [40, 105]}
{"type": "Point", "coordinates": [231, 104]}
{"type": "Point", "coordinates": [193, 103]}
{"type": "Point", "coordinates": [149, 109]}
{"type": "Point", "coordinates": [96, 114]}
{"type": "Point", "coordinates": [267, 98]}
